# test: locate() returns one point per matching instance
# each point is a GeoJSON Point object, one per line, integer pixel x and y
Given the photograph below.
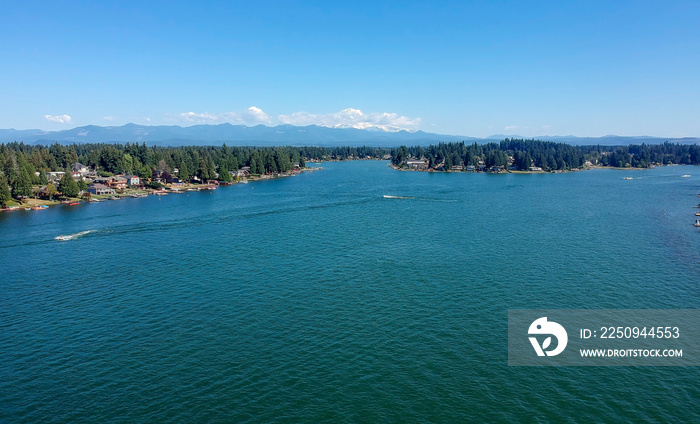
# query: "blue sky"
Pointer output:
{"type": "Point", "coordinates": [585, 68]}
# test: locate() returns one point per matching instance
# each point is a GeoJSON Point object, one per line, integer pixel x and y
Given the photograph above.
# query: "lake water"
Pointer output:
{"type": "Point", "coordinates": [316, 299]}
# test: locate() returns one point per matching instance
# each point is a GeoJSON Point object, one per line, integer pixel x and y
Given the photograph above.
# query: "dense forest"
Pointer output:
{"type": "Point", "coordinates": [522, 154]}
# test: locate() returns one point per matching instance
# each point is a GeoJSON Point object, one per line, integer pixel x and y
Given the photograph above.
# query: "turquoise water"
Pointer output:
{"type": "Point", "coordinates": [316, 299]}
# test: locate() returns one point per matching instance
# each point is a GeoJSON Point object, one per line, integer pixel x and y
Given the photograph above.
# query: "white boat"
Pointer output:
{"type": "Point", "coordinates": [697, 222]}
{"type": "Point", "coordinates": [628, 178]}
{"type": "Point", "coordinates": [63, 238]}
{"type": "Point", "coordinates": [685, 176]}
{"type": "Point", "coordinates": [386, 196]}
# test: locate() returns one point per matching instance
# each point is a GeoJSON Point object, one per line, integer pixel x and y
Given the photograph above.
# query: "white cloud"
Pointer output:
{"type": "Point", "coordinates": [198, 117]}
{"type": "Point", "coordinates": [353, 118]}
{"type": "Point", "coordinates": [252, 115]}
{"type": "Point", "coordinates": [346, 118]}
{"type": "Point", "coordinates": [257, 114]}
{"type": "Point", "coordinates": [108, 118]}
{"type": "Point", "coordinates": [61, 119]}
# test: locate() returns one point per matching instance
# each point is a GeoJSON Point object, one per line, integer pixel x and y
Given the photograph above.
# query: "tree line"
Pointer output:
{"type": "Point", "coordinates": [23, 166]}
{"type": "Point", "coordinates": [549, 156]}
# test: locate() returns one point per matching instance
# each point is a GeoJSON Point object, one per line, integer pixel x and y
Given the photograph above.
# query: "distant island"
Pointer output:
{"type": "Point", "coordinates": [38, 175]}
{"type": "Point", "coordinates": [520, 155]}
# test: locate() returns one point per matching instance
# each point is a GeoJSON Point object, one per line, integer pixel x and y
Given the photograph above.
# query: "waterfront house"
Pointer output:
{"type": "Point", "coordinates": [100, 189]}
{"type": "Point", "coordinates": [54, 176]}
{"type": "Point", "coordinates": [457, 168]}
{"type": "Point", "coordinates": [133, 180]}
{"type": "Point", "coordinates": [535, 169]}
{"type": "Point", "coordinates": [101, 180]}
{"type": "Point", "coordinates": [417, 163]}
{"type": "Point", "coordinates": [80, 168]}
{"type": "Point", "coordinates": [471, 168]}
{"type": "Point", "coordinates": [117, 182]}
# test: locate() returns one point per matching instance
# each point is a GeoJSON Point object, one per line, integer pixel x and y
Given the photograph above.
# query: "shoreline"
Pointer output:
{"type": "Point", "coordinates": [506, 171]}
{"type": "Point", "coordinates": [166, 189]}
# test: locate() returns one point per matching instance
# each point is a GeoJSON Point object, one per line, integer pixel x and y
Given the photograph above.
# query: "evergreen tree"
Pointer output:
{"type": "Point", "coordinates": [203, 171]}
{"type": "Point", "coordinates": [51, 190]}
{"type": "Point", "coordinates": [211, 168]}
{"type": "Point", "coordinates": [42, 178]}
{"type": "Point", "coordinates": [224, 175]}
{"type": "Point", "coordinates": [145, 172]}
{"type": "Point", "coordinates": [67, 186]}
{"type": "Point", "coordinates": [4, 191]}
{"type": "Point", "coordinates": [256, 164]}
{"type": "Point", "coordinates": [22, 185]}
{"type": "Point", "coordinates": [183, 173]}
{"type": "Point", "coordinates": [282, 161]}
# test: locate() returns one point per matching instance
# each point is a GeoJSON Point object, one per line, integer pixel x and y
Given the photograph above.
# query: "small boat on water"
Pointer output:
{"type": "Point", "coordinates": [73, 236]}
{"type": "Point", "coordinates": [697, 222]}
{"type": "Point", "coordinates": [697, 213]}
{"type": "Point", "coordinates": [11, 208]}
{"type": "Point", "coordinates": [39, 208]}
{"type": "Point", "coordinates": [73, 203]}
{"type": "Point", "coordinates": [628, 178]}
{"type": "Point", "coordinates": [685, 176]}
{"type": "Point", "coordinates": [27, 209]}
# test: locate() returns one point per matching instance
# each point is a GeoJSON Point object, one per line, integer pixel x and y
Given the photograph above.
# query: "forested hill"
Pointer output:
{"type": "Point", "coordinates": [522, 154]}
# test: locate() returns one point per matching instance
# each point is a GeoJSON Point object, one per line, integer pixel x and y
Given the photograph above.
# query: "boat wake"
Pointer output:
{"type": "Point", "coordinates": [73, 236]}
{"type": "Point", "coordinates": [386, 196]}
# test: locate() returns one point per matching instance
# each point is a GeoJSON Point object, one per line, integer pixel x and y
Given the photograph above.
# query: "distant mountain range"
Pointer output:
{"type": "Point", "coordinates": [262, 135]}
